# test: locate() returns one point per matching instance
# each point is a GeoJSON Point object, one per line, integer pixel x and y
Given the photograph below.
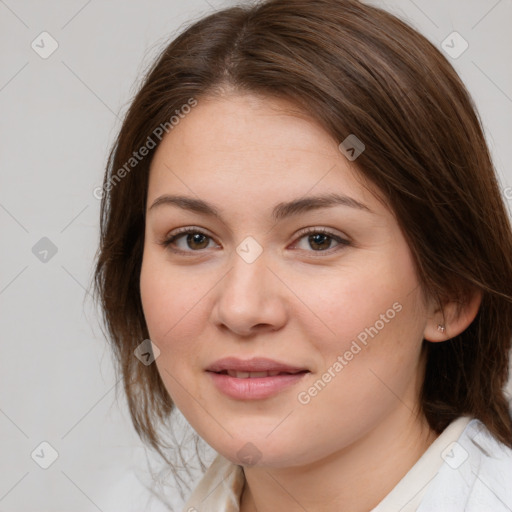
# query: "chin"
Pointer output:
{"type": "Point", "coordinates": [258, 450]}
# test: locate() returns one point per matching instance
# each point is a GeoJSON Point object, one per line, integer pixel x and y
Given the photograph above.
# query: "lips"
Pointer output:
{"type": "Point", "coordinates": [251, 375]}
{"type": "Point", "coordinates": [253, 379]}
{"type": "Point", "coordinates": [255, 367]}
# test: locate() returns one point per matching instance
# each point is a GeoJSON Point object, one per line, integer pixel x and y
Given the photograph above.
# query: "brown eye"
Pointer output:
{"type": "Point", "coordinates": [320, 241]}
{"type": "Point", "coordinates": [188, 240]}
{"type": "Point", "coordinates": [197, 241]}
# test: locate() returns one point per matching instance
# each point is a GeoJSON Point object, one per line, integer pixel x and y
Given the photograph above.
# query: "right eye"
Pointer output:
{"type": "Point", "coordinates": [188, 240]}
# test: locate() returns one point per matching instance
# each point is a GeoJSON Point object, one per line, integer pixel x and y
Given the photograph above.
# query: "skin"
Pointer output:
{"type": "Point", "coordinates": [350, 445]}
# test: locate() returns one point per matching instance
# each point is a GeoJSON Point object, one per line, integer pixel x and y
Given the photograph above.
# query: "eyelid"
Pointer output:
{"type": "Point", "coordinates": [188, 229]}
{"type": "Point", "coordinates": [321, 229]}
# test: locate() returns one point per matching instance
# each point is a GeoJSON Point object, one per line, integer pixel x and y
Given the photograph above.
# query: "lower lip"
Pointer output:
{"type": "Point", "coordinates": [254, 388]}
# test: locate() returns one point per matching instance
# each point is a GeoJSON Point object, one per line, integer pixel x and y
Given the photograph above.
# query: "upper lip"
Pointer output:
{"type": "Point", "coordinates": [256, 364]}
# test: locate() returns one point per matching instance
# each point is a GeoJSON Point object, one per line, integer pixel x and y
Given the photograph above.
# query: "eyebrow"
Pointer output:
{"type": "Point", "coordinates": [279, 212]}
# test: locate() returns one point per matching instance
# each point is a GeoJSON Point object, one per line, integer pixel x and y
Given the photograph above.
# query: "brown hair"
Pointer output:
{"type": "Point", "coordinates": [357, 70]}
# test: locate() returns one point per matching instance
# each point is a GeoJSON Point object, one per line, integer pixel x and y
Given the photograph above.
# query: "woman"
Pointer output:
{"type": "Point", "coordinates": [301, 214]}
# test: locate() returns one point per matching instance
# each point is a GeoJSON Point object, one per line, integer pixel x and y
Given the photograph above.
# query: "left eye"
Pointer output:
{"type": "Point", "coordinates": [319, 241]}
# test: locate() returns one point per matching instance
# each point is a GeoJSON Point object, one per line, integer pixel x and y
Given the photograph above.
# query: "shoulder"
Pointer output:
{"type": "Point", "coordinates": [475, 476]}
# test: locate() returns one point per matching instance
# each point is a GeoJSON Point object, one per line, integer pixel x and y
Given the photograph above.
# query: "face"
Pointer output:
{"type": "Point", "coordinates": [279, 289]}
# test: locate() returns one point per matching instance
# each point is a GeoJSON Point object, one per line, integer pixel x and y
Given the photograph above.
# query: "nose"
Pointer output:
{"type": "Point", "coordinates": [250, 299]}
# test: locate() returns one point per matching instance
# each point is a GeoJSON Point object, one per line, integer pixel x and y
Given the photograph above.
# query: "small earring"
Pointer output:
{"type": "Point", "coordinates": [441, 328]}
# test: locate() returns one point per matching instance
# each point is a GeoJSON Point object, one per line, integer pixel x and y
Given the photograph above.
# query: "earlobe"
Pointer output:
{"type": "Point", "coordinates": [453, 319]}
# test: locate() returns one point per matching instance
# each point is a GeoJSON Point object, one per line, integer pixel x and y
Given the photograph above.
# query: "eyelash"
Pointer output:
{"type": "Point", "coordinates": [307, 231]}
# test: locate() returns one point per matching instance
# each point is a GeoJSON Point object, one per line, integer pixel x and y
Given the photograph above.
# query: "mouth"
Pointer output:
{"type": "Point", "coordinates": [255, 366]}
{"type": "Point", "coordinates": [256, 375]}
{"type": "Point", "coordinates": [253, 379]}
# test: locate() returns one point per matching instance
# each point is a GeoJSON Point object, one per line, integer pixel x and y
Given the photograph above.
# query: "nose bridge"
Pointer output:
{"type": "Point", "coordinates": [248, 296]}
{"type": "Point", "coordinates": [248, 277]}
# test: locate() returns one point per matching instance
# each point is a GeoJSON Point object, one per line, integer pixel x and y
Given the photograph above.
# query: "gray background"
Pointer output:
{"type": "Point", "coordinates": [59, 116]}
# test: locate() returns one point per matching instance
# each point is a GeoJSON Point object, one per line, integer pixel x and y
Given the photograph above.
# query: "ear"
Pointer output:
{"type": "Point", "coordinates": [453, 318]}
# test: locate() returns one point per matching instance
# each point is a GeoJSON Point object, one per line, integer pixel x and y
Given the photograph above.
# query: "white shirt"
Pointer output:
{"type": "Point", "coordinates": [406, 496]}
{"type": "Point", "coordinates": [464, 469]}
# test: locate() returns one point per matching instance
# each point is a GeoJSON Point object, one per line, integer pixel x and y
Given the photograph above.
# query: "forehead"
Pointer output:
{"type": "Point", "coordinates": [246, 123]}
{"type": "Point", "coordinates": [254, 146]}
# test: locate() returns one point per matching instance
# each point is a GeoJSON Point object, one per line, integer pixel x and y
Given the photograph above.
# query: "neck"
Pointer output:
{"type": "Point", "coordinates": [353, 479]}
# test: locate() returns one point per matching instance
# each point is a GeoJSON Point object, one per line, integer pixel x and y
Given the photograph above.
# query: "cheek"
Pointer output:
{"type": "Point", "coordinates": [360, 303]}
{"type": "Point", "coordinates": [378, 320]}
{"type": "Point", "coordinates": [177, 302]}
{"type": "Point", "coordinates": [169, 302]}
{"type": "Point", "coordinates": [172, 309]}
{"type": "Point", "coordinates": [168, 294]}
